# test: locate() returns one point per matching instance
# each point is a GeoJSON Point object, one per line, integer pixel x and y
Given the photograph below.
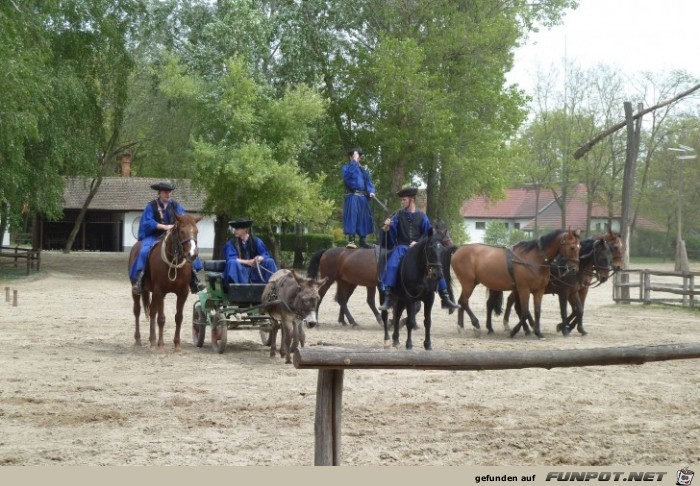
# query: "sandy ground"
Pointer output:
{"type": "Point", "coordinates": [74, 390]}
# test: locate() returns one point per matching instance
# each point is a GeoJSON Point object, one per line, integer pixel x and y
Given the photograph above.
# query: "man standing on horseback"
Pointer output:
{"type": "Point", "coordinates": [400, 232]}
{"type": "Point", "coordinates": [247, 258]}
{"type": "Point", "coordinates": [357, 216]}
{"type": "Point", "coordinates": [159, 217]}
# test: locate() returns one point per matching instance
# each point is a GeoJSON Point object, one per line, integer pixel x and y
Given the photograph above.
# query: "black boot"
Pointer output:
{"type": "Point", "coordinates": [137, 287]}
{"type": "Point", "coordinates": [446, 302]}
{"type": "Point", "coordinates": [351, 242]}
{"type": "Point", "coordinates": [363, 244]}
{"type": "Point", "coordinates": [195, 285]}
{"type": "Point", "coordinates": [388, 301]}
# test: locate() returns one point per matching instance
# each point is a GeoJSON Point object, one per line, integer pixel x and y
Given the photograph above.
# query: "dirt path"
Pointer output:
{"type": "Point", "coordinates": [75, 391]}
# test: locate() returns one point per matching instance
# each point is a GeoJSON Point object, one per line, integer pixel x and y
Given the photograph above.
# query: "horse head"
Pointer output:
{"type": "Point", "coordinates": [433, 248]}
{"type": "Point", "coordinates": [307, 298]}
{"type": "Point", "coordinates": [443, 233]}
{"type": "Point", "coordinates": [602, 259]}
{"type": "Point", "coordinates": [569, 247]}
{"type": "Point", "coordinates": [614, 242]}
{"type": "Point", "coordinates": [185, 236]}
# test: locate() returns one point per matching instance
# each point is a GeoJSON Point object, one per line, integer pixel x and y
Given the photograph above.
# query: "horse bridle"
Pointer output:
{"type": "Point", "coordinates": [596, 254]}
{"type": "Point", "coordinates": [178, 252]}
{"type": "Point", "coordinates": [429, 267]}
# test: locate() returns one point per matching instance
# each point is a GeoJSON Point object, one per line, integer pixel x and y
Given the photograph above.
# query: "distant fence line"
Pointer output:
{"type": "Point", "coordinates": [31, 256]}
{"type": "Point", "coordinates": [656, 287]}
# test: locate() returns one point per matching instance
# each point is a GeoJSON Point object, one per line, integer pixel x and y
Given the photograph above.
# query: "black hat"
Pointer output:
{"type": "Point", "coordinates": [407, 192]}
{"type": "Point", "coordinates": [240, 223]}
{"type": "Point", "coordinates": [355, 149]}
{"type": "Point", "coordinates": [163, 186]}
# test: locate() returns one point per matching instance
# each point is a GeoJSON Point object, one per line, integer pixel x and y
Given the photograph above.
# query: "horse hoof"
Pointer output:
{"type": "Point", "coordinates": [428, 347]}
{"type": "Point", "coordinates": [477, 333]}
{"type": "Point", "coordinates": [387, 344]}
{"type": "Point", "coordinates": [490, 331]}
{"type": "Point", "coordinates": [409, 346]}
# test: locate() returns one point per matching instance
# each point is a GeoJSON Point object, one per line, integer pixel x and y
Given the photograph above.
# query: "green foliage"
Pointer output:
{"type": "Point", "coordinates": [497, 234]}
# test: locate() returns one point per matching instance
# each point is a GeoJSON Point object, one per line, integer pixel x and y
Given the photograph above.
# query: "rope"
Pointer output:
{"type": "Point", "coordinates": [173, 266]}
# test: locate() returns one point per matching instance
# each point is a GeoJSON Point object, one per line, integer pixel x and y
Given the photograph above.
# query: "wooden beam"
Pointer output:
{"type": "Point", "coordinates": [583, 149]}
{"type": "Point", "coordinates": [341, 359]}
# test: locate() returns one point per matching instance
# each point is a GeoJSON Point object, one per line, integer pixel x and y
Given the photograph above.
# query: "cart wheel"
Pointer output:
{"type": "Point", "coordinates": [218, 333]}
{"type": "Point", "coordinates": [199, 327]}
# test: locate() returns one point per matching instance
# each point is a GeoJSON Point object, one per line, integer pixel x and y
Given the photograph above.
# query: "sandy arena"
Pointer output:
{"type": "Point", "coordinates": [74, 390]}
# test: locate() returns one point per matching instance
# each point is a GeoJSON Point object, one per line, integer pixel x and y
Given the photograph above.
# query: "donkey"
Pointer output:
{"type": "Point", "coordinates": [290, 300]}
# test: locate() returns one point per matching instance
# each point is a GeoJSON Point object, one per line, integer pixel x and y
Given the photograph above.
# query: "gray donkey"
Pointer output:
{"type": "Point", "coordinates": [290, 300]}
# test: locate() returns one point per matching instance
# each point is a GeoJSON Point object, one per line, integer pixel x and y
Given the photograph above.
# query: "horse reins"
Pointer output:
{"type": "Point", "coordinates": [429, 270]}
{"type": "Point", "coordinates": [173, 265]}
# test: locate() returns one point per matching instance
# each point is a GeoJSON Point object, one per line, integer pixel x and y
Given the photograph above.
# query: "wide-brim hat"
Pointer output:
{"type": "Point", "coordinates": [240, 223]}
{"type": "Point", "coordinates": [163, 186]}
{"type": "Point", "coordinates": [355, 149]}
{"type": "Point", "coordinates": [407, 192]}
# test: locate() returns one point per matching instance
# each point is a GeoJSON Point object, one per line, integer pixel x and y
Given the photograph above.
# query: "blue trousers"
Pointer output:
{"type": "Point", "coordinates": [357, 216]}
{"type": "Point", "coordinates": [243, 274]}
{"type": "Point", "coordinates": [392, 269]}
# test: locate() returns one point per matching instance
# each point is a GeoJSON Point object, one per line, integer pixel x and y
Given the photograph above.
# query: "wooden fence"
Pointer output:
{"type": "Point", "coordinates": [31, 256]}
{"type": "Point", "coordinates": [331, 363]}
{"type": "Point", "coordinates": [656, 287]}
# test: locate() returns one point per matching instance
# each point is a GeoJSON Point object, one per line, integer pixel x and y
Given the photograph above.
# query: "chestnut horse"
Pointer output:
{"type": "Point", "coordinates": [595, 265]}
{"type": "Point", "coordinates": [524, 268]}
{"type": "Point", "coordinates": [169, 270]}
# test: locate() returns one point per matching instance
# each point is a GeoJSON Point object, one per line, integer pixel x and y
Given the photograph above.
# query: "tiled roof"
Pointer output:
{"type": "Point", "coordinates": [520, 204]}
{"type": "Point", "coordinates": [127, 194]}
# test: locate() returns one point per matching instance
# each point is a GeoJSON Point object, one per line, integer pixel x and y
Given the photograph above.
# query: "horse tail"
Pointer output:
{"type": "Point", "coordinates": [146, 301]}
{"type": "Point", "coordinates": [495, 301]}
{"type": "Point", "coordinates": [315, 264]}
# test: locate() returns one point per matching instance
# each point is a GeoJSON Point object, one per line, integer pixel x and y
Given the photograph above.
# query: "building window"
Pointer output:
{"type": "Point", "coordinates": [480, 225]}
{"type": "Point", "coordinates": [516, 226]}
{"type": "Point", "coordinates": [506, 225]}
{"type": "Point", "coordinates": [598, 226]}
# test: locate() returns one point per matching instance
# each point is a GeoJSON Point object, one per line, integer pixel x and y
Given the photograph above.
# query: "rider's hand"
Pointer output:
{"type": "Point", "coordinates": [372, 195]}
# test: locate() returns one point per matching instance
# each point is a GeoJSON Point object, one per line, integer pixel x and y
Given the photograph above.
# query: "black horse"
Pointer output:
{"type": "Point", "coordinates": [420, 271]}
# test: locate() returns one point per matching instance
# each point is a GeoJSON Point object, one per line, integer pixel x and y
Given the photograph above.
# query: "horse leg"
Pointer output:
{"type": "Point", "coordinates": [428, 321]}
{"type": "Point", "coordinates": [581, 296]}
{"type": "Point", "coordinates": [371, 293]}
{"type": "Point", "coordinates": [464, 304]}
{"type": "Point", "coordinates": [137, 316]}
{"type": "Point", "coordinates": [342, 296]}
{"type": "Point", "coordinates": [563, 307]}
{"type": "Point", "coordinates": [523, 311]}
{"type": "Point", "coordinates": [537, 298]}
{"type": "Point", "coordinates": [410, 323]}
{"type": "Point", "coordinates": [157, 313]}
{"type": "Point", "coordinates": [506, 314]}
{"type": "Point", "coordinates": [181, 298]}
{"type": "Point", "coordinates": [384, 314]}
{"type": "Point", "coordinates": [398, 309]}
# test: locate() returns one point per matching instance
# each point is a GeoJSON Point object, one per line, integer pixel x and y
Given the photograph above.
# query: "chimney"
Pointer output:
{"type": "Point", "coordinates": [125, 163]}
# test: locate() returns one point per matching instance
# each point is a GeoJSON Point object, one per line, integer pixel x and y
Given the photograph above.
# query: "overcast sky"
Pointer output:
{"type": "Point", "coordinates": [632, 35]}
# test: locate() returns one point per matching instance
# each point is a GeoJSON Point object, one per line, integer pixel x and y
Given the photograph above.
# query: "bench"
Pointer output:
{"type": "Point", "coordinates": [332, 362]}
{"type": "Point", "coordinates": [249, 294]}
{"type": "Point", "coordinates": [31, 255]}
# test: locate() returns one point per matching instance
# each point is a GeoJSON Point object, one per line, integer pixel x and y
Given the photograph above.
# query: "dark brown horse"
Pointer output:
{"type": "Point", "coordinates": [595, 266]}
{"type": "Point", "coordinates": [169, 270]}
{"type": "Point", "coordinates": [524, 268]}
{"type": "Point", "coordinates": [348, 268]}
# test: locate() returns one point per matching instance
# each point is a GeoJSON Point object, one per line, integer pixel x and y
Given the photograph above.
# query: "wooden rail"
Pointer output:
{"type": "Point", "coordinates": [31, 256]}
{"type": "Point", "coordinates": [675, 283]}
{"type": "Point", "coordinates": [332, 362]}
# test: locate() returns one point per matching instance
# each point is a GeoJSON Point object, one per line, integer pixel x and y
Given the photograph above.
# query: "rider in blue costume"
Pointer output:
{"type": "Point", "coordinates": [247, 259]}
{"type": "Point", "coordinates": [159, 217]}
{"type": "Point", "coordinates": [357, 216]}
{"type": "Point", "coordinates": [400, 232]}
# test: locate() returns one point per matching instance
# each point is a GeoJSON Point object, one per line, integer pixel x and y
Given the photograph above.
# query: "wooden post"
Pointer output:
{"type": "Point", "coordinates": [692, 291]}
{"type": "Point", "coordinates": [7, 294]}
{"type": "Point", "coordinates": [329, 410]}
{"type": "Point", "coordinates": [647, 285]}
{"type": "Point", "coordinates": [14, 298]}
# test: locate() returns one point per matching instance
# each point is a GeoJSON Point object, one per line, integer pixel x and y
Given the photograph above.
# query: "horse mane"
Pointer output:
{"type": "Point", "coordinates": [543, 240]}
{"type": "Point", "coordinates": [587, 247]}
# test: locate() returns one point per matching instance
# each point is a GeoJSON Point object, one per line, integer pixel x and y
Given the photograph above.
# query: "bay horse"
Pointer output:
{"type": "Point", "coordinates": [290, 301]}
{"type": "Point", "coordinates": [420, 272]}
{"type": "Point", "coordinates": [168, 270]}
{"type": "Point", "coordinates": [524, 268]}
{"type": "Point", "coordinates": [595, 265]}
